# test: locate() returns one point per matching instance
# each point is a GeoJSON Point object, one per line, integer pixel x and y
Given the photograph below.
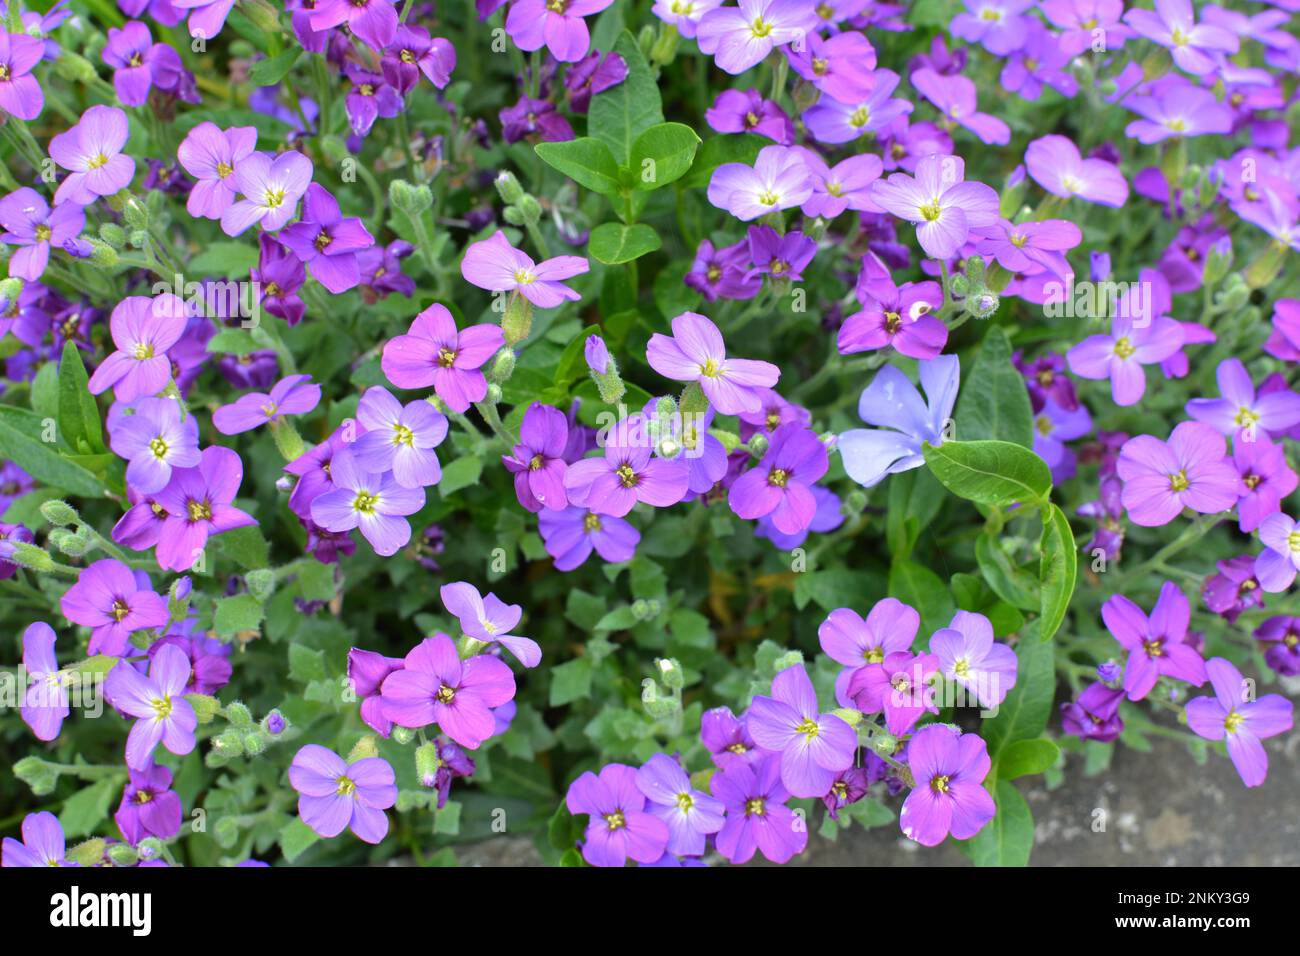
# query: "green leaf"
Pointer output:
{"type": "Point", "coordinates": [570, 681]}
{"type": "Point", "coordinates": [20, 433]}
{"type": "Point", "coordinates": [295, 838]}
{"type": "Point", "coordinates": [45, 391]}
{"type": "Point", "coordinates": [233, 342]}
{"type": "Point", "coordinates": [587, 161]}
{"type": "Point", "coordinates": [1025, 757]}
{"type": "Point", "coordinates": [1024, 713]}
{"type": "Point", "coordinates": [245, 546]}
{"type": "Point", "coordinates": [914, 500]}
{"type": "Point", "coordinates": [917, 585]}
{"type": "Point", "coordinates": [662, 154]}
{"type": "Point", "coordinates": [225, 259]}
{"type": "Point", "coordinates": [990, 472]}
{"type": "Point", "coordinates": [1007, 839]}
{"type": "Point", "coordinates": [717, 150]}
{"type": "Point", "coordinates": [86, 809]}
{"type": "Point", "coordinates": [620, 114]}
{"type": "Point", "coordinates": [272, 70]}
{"type": "Point", "coordinates": [306, 664]}
{"type": "Point", "coordinates": [1008, 581]}
{"type": "Point", "coordinates": [459, 474]}
{"type": "Point", "coordinates": [1058, 569]}
{"type": "Point", "coordinates": [239, 613]}
{"type": "Point", "coordinates": [613, 243]}
{"type": "Point", "coordinates": [994, 401]}
{"type": "Point", "coordinates": [78, 414]}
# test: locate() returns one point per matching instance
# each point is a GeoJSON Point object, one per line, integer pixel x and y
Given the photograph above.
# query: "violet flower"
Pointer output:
{"type": "Point", "coordinates": [374, 502]}
{"type": "Point", "coordinates": [413, 52]}
{"type": "Point", "coordinates": [558, 25]}
{"type": "Point", "coordinates": [1157, 646]}
{"type": "Point", "coordinates": [689, 813]}
{"type": "Point", "coordinates": [1197, 48]}
{"type": "Point", "coordinates": [91, 151]}
{"type": "Point", "coordinates": [954, 97]}
{"type": "Point", "coordinates": [373, 22]}
{"type": "Point", "coordinates": [109, 600]}
{"type": "Point", "coordinates": [571, 535]}
{"type": "Point", "coordinates": [948, 797]}
{"type": "Point", "coordinates": [814, 747]}
{"type": "Point", "coordinates": [433, 352]}
{"type": "Point", "coordinates": [1281, 639]}
{"type": "Point", "coordinates": [1233, 589]}
{"type": "Point", "coordinates": [625, 473]}
{"type": "Point", "coordinates": [902, 318]}
{"type": "Point", "coordinates": [537, 462]}
{"type": "Point", "coordinates": [901, 686]}
{"type": "Point", "coordinates": [497, 266]}
{"type": "Point", "coordinates": [271, 188]}
{"type": "Point", "coordinates": [1235, 716]}
{"type": "Point", "coordinates": [831, 121]}
{"type": "Point", "coordinates": [780, 485]}
{"type": "Point", "coordinates": [153, 441]}
{"type": "Point", "coordinates": [969, 656]}
{"type": "Point", "coordinates": [944, 207]}
{"type": "Point", "coordinates": [1265, 480]}
{"type": "Point", "coordinates": [334, 795]}
{"type": "Point", "coordinates": [741, 37]}
{"type": "Point", "coordinates": [593, 74]}
{"type": "Point", "coordinates": [139, 64]}
{"type": "Point", "coordinates": [1179, 109]}
{"type": "Point", "coordinates": [1135, 340]}
{"type": "Point", "coordinates": [45, 702]}
{"type": "Point", "coordinates": [327, 241]}
{"type": "Point", "coordinates": [619, 826]}
{"type": "Point", "coordinates": [157, 701]}
{"type": "Point", "coordinates": [197, 504]}
{"type": "Point", "coordinates": [490, 620]}
{"type": "Point", "coordinates": [724, 273]}
{"type": "Point", "coordinates": [1055, 164]}
{"type": "Point", "coordinates": [149, 807]}
{"type": "Point", "coordinates": [758, 819]}
{"type": "Point", "coordinates": [1189, 471]}
{"type": "Point", "coordinates": [847, 639]}
{"type": "Point", "coordinates": [737, 111]}
{"type": "Point", "coordinates": [727, 739]}
{"type": "Point", "coordinates": [695, 352]}
{"type": "Point", "coordinates": [779, 256]}
{"type": "Point", "coordinates": [841, 66]}
{"type": "Point", "coordinates": [292, 395]}
{"type": "Point", "coordinates": [43, 843]}
{"type": "Point", "coordinates": [1095, 714]}
{"type": "Point", "coordinates": [779, 179]}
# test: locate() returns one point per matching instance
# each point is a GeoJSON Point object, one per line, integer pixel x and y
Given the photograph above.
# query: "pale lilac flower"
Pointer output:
{"type": "Point", "coordinates": [45, 703]}
{"type": "Point", "coordinates": [158, 703]}
{"type": "Point", "coordinates": [153, 441]}
{"type": "Point", "coordinates": [969, 656]}
{"type": "Point", "coordinates": [1084, 22]}
{"type": "Point", "coordinates": [779, 179]}
{"type": "Point", "coordinates": [556, 24]}
{"type": "Point", "coordinates": [371, 501]}
{"type": "Point", "coordinates": [1189, 471]}
{"type": "Point", "coordinates": [20, 92]}
{"type": "Point", "coordinates": [689, 813]}
{"type": "Point", "coordinates": [1265, 480]}
{"type": "Point", "coordinates": [847, 185]}
{"type": "Point", "coordinates": [489, 619]}
{"type": "Point", "coordinates": [1276, 565]}
{"type": "Point", "coordinates": [1197, 48]}
{"type": "Point", "coordinates": [841, 66]}
{"type": "Point", "coordinates": [1242, 412]}
{"type": "Point", "coordinates": [954, 97]}
{"type": "Point", "coordinates": [1237, 717]}
{"type": "Point", "coordinates": [271, 188]}
{"type": "Point", "coordinates": [334, 795]}
{"type": "Point", "coordinates": [433, 352]}
{"type": "Point", "coordinates": [685, 15]}
{"type": "Point", "coordinates": [625, 473]}
{"type": "Point", "coordinates": [211, 154]}
{"type": "Point", "coordinates": [91, 151]}
{"type": "Point", "coordinates": [497, 266]}
{"type": "Point", "coordinates": [998, 25]}
{"type": "Point", "coordinates": [571, 535]}
{"type": "Point", "coordinates": [1055, 164]}
{"type": "Point", "coordinates": [696, 353]}
{"type": "Point", "coordinates": [292, 395]}
{"type": "Point", "coordinates": [1029, 247]}
{"type": "Point", "coordinates": [207, 17]}
{"type": "Point", "coordinates": [1134, 341]}
{"type": "Point", "coordinates": [944, 207]}
{"type": "Point", "coordinates": [400, 439]}
{"type": "Point", "coordinates": [1179, 109]}
{"type": "Point", "coordinates": [1157, 646]}
{"type": "Point", "coordinates": [43, 843]}
{"type": "Point", "coordinates": [814, 747]}
{"type": "Point", "coordinates": [143, 329]}
{"type": "Point", "coordinates": [832, 121]}
{"type": "Point", "coordinates": [740, 37]}
{"type": "Point", "coordinates": [31, 225]}
{"type": "Point", "coordinates": [847, 639]}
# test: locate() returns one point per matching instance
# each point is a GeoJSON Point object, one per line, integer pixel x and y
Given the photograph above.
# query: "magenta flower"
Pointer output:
{"type": "Point", "coordinates": [1234, 716]}
{"type": "Point", "coordinates": [780, 485]}
{"type": "Point", "coordinates": [149, 807]}
{"type": "Point", "coordinates": [998, 25]}
{"type": "Point", "coordinates": [736, 111]}
{"type": "Point", "coordinates": [1030, 247]}
{"type": "Point", "coordinates": [206, 17]}
{"type": "Point", "coordinates": [366, 673]}
{"type": "Point", "coordinates": [558, 25]}
{"type": "Point", "coordinates": [1040, 62]}
{"type": "Point", "coordinates": [625, 473]}
{"type": "Point", "coordinates": [43, 843]}
{"type": "Point", "coordinates": [91, 151]}
{"type": "Point", "coordinates": [1080, 21]}
{"type": "Point", "coordinates": [1242, 412]}
{"type": "Point", "coordinates": [45, 703]}
{"type": "Point", "coordinates": [727, 739]}
{"type": "Point", "coordinates": [433, 352]}
{"type": "Point", "coordinates": [847, 185]}
{"type": "Point", "coordinates": [292, 395]}
{"type": "Point", "coordinates": [497, 266]}
{"type": "Point", "coordinates": [109, 600]}
{"type": "Point", "coordinates": [757, 816]}
{"type": "Point", "coordinates": [413, 52]}
{"type": "Point", "coordinates": [954, 97]}
{"type": "Point", "coordinates": [197, 502]}
{"type": "Point", "coordinates": [1233, 588]}
{"type": "Point", "coordinates": [374, 22]}
{"type": "Point", "coordinates": [695, 352]}
{"type": "Point", "coordinates": [157, 701]}
{"type": "Point", "coordinates": [619, 826]}
{"type": "Point", "coordinates": [903, 319]}
{"type": "Point", "coordinates": [740, 37]}
{"type": "Point", "coordinates": [327, 241]}
{"type": "Point", "coordinates": [814, 747]}
{"type": "Point", "coordinates": [1095, 714]}
{"type": "Point", "coordinates": [1280, 637]}
{"type": "Point", "coordinates": [1134, 341]}
{"type": "Point", "coordinates": [847, 639]}
{"type": "Point", "coordinates": [271, 188]}
{"type": "Point", "coordinates": [211, 155]}
{"type": "Point", "coordinates": [1175, 110]}
{"type": "Point", "coordinates": [489, 619]}
{"type": "Point", "coordinates": [437, 687]}
{"type": "Point", "coordinates": [400, 439]}
{"type": "Point", "coordinates": [29, 224]}
{"type": "Point", "coordinates": [1055, 164]}
{"type": "Point", "coordinates": [20, 92]}
{"type": "Point", "coordinates": [944, 207]}
{"type": "Point", "coordinates": [538, 460]}
{"type": "Point", "coordinates": [969, 656]}
{"type": "Point", "coordinates": [153, 441]}
{"type": "Point", "coordinates": [372, 501]}
{"type": "Point", "coordinates": [1189, 471]}
{"type": "Point", "coordinates": [334, 795]}
{"type": "Point", "coordinates": [689, 813]}
{"type": "Point", "coordinates": [948, 797]}
{"type": "Point", "coordinates": [1265, 480]}
{"type": "Point", "coordinates": [1197, 48]}
{"type": "Point", "coordinates": [841, 66]}
{"type": "Point", "coordinates": [139, 64]}
{"type": "Point", "coordinates": [1157, 646]}
{"type": "Point", "coordinates": [369, 98]}
{"type": "Point", "coordinates": [779, 179]}
{"type": "Point", "coordinates": [572, 534]}
{"type": "Point", "coordinates": [143, 329]}
{"type": "Point", "coordinates": [779, 256]}
{"type": "Point", "coordinates": [900, 686]}
{"type": "Point", "coordinates": [832, 121]}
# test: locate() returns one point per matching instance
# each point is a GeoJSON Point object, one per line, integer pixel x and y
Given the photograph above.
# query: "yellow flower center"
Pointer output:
{"type": "Point", "coordinates": [615, 820]}
{"type": "Point", "coordinates": [685, 801]}
{"type": "Point", "coordinates": [403, 435]}
{"type": "Point", "coordinates": [346, 787]}
{"type": "Point", "coordinates": [96, 161]}
{"type": "Point", "coordinates": [1124, 347]}
{"type": "Point", "coordinates": [940, 783]}
{"type": "Point", "coordinates": [755, 807]}
{"type": "Point", "coordinates": [162, 707]}
{"type": "Point", "coordinates": [778, 477]}
{"type": "Point", "coordinates": [445, 694]}
{"type": "Point", "coordinates": [365, 502]}
{"type": "Point", "coordinates": [1179, 482]}
{"type": "Point", "coordinates": [1154, 647]}
{"type": "Point", "coordinates": [273, 199]}
{"type": "Point", "coordinates": [224, 169]}
{"type": "Point", "coordinates": [446, 357]}
{"type": "Point", "coordinates": [143, 350]}
{"type": "Point", "coordinates": [760, 28]}
{"type": "Point", "coordinates": [199, 510]}
{"type": "Point", "coordinates": [859, 117]}
{"type": "Point", "coordinates": [1233, 721]}
{"type": "Point", "coordinates": [119, 610]}
{"type": "Point", "coordinates": [931, 210]}
{"type": "Point", "coordinates": [158, 447]}
{"type": "Point", "coordinates": [43, 233]}
{"type": "Point", "coordinates": [591, 522]}
{"type": "Point", "coordinates": [626, 475]}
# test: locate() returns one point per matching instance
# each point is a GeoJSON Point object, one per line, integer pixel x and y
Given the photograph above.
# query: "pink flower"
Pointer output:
{"type": "Point", "coordinates": [497, 266]}
{"type": "Point", "coordinates": [143, 329]}
{"type": "Point", "coordinates": [1189, 471]}
{"type": "Point", "coordinates": [945, 208]}
{"type": "Point", "coordinates": [696, 353]}
{"type": "Point", "coordinates": [433, 352]}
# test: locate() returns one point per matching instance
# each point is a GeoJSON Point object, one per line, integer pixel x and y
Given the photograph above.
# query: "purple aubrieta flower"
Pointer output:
{"type": "Point", "coordinates": [571, 535]}
{"type": "Point", "coordinates": [211, 155]}
{"type": "Point", "coordinates": [1095, 714]}
{"type": "Point", "coordinates": [619, 826]}
{"type": "Point", "coordinates": [686, 437]}
{"type": "Point", "coordinates": [1029, 247]}
{"type": "Point", "coordinates": [43, 843]}
{"type": "Point", "coordinates": [436, 687]}
{"type": "Point", "coordinates": [154, 440]}
{"type": "Point", "coordinates": [727, 738]}
{"type": "Point", "coordinates": [904, 422]}
{"type": "Point", "coordinates": [369, 98]}
{"type": "Point", "coordinates": [1136, 339]}
{"type": "Point", "coordinates": [373, 22]}
{"type": "Point", "coordinates": [139, 64]}
{"type": "Point", "coordinates": [1266, 479]}
{"type": "Point", "coordinates": [841, 66]}
{"type": "Point", "coordinates": [1189, 471]}
{"type": "Point", "coordinates": [779, 179]}
{"type": "Point", "coordinates": [490, 620]}
{"type": "Point", "coordinates": [1280, 637]}
{"type": "Point", "coordinates": [367, 671]}
{"type": "Point", "coordinates": [279, 275]}
{"type": "Point", "coordinates": [847, 185]}
{"type": "Point", "coordinates": [433, 352]}
{"type": "Point", "coordinates": [497, 266]}
{"type": "Point", "coordinates": [109, 600]}
{"type": "Point", "coordinates": [1083, 22]}
{"type": "Point", "coordinates": [1276, 566]}
{"type": "Point", "coordinates": [1176, 110]}
{"type": "Point", "coordinates": [157, 701]}
{"type": "Point", "coordinates": [737, 111]}
{"type": "Point", "coordinates": [1242, 412]}
{"type": "Point", "coordinates": [847, 639]}
{"type": "Point", "coordinates": [780, 485]}
{"type": "Point", "coordinates": [20, 92]}
{"type": "Point", "coordinates": [685, 15]}
{"type": "Point", "coordinates": [740, 37]}
{"type": "Point", "coordinates": [814, 747]}
{"type": "Point", "coordinates": [828, 516]}
{"type": "Point", "coordinates": [944, 207]}
{"type": "Point", "coordinates": [724, 273]}
{"type": "Point", "coordinates": [206, 17]}
{"type": "Point", "coordinates": [334, 795]}
{"type": "Point", "coordinates": [1236, 717]}
{"type": "Point", "coordinates": [1197, 48]}
{"type": "Point", "coordinates": [690, 814]}
{"type": "Point", "coordinates": [271, 188]}
{"type": "Point", "coordinates": [593, 74]}
{"type": "Point", "coordinates": [558, 25]}
{"type": "Point", "coordinates": [834, 122]}
{"type": "Point", "coordinates": [149, 807]}
{"type": "Point", "coordinates": [695, 352]}
{"type": "Point", "coordinates": [374, 502]}
{"type": "Point", "coordinates": [292, 395]}
{"type": "Point", "coordinates": [954, 97]}
{"type": "Point", "coordinates": [529, 116]}
{"type": "Point", "coordinates": [10, 535]}
{"type": "Point", "coordinates": [948, 797]}
{"type": "Point", "coordinates": [779, 256]}
{"type": "Point", "coordinates": [901, 687]}
{"type": "Point", "coordinates": [1055, 164]}
{"type": "Point", "coordinates": [757, 816]}
{"type": "Point", "coordinates": [197, 504]}
{"type": "Point", "coordinates": [901, 317]}
{"type": "Point", "coordinates": [91, 151]}
{"type": "Point", "coordinates": [1233, 589]}
{"type": "Point", "coordinates": [1053, 427]}
{"type": "Point", "coordinates": [327, 241]}
{"type": "Point", "coordinates": [143, 329]}
{"type": "Point", "coordinates": [45, 703]}
{"type": "Point", "coordinates": [400, 439]}
{"type": "Point", "coordinates": [1040, 62]}
{"type": "Point", "coordinates": [997, 25]}
{"type": "Point", "coordinates": [413, 52]}
{"type": "Point", "coordinates": [31, 225]}
{"type": "Point", "coordinates": [537, 462]}
{"type": "Point", "coordinates": [625, 473]}
{"type": "Point", "coordinates": [1157, 646]}
{"type": "Point", "coordinates": [969, 656]}
{"type": "Point", "coordinates": [596, 355]}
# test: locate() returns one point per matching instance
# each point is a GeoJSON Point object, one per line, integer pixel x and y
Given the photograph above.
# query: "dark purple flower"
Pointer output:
{"type": "Point", "coordinates": [149, 807]}
{"type": "Point", "coordinates": [530, 116]}
{"type": "Point", "coordinates": [571, 535]}
{"type": "Point", "coordinates": [538, 460]}
{"type": "Point", "coordinates": [593, 74]}
{"type": "Point", "coordinates": [327, 241]}
{"type": "Point", "coordinates": [780, 485]}
{"type": "Point", "coordinates": [1281, 639]}
{"type": "Point", "coordinates": [735, 111]}
{"type": "Point", "coordinates": [1234, 589]}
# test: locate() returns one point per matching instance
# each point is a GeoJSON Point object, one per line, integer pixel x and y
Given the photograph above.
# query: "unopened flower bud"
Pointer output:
{"type": "Point", "coordinates": [238, 714]}
{"type": "Point", "coordinates": [59, 513]}
{"type": "Point", "coordinates": [518, 319]}
{"type": "Point", "coordinates": [758, 445]}
{"type": "Point", "coordinates": [274, 723]}
{"type": "Point", "coordinates": [884, 744]}
{"type": "Point", "coordinates": [30, 557]}
{"type": "Point", "coordinates": [411, 200]}
{"type": "Point", "coordinates": [502, 367]}
{"type": "Point", "coordinates": [508, 187]}
{"type": "Point", "coordinates": [402, 735]}
{"type": "Point", "coordinates": [670, 672]}
{"type": "Point", "coordinates": [103, 255]}
{"type": "Point", "coordinates": [427, 763]}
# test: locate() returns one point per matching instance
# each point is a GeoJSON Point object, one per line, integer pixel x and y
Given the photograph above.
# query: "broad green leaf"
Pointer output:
{"type": "Point", "coordinates": [994, 401]}
{"type": "Point", "coordinates": [242, 612]}
{"type": "Point", "coordinates": [459, 474]}
{"type": "Point", "coordinates": [990, 472]}
{"type": "Point", "coordinates": [613, 243]}
{"type": "Point", "coordinates": [78, 414]}
{"type": "Point", "coordinates": [662, 154]}
{"type": "Point", "coordinates": [1013, 584]}
{"type": "Point", "coordinates": [233, 342]}
{"type": "Point", "coordinates": [45, 391]}
{"type": "Point", "coordinates": [1058, 569]}
{"type": "Point", "coordinates": [1024, 713]}
{"type": "Point", "coordinates": [20, 434]}
{"type": "Point", "coordinates": [570, 681]}
{"type": "Point", "coordinates": [86, 809]}
{"type": "Point", "coordinates": [245, 546]}
{"type": "Point", "coordinates": [587, 161]}
{"type": "Point", "coordinates": [620, 114]}
{"type": "Point", "coordinates": [1025, 757]}
{"type": "Point", "coordinates": [306, 664]}
{"type": "Point", "coordinates": [273, 69]}
{"type": "Point", "coordinates": [1007, 839]}
{"type": "Point", "coordinates": [914, 500]}
{"type": "Point", "coordinates": [225, 259]}
{"type": "Point", "coordinates": [917, 585]}
{"type": "Point", "coordinates": [295, 838]}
